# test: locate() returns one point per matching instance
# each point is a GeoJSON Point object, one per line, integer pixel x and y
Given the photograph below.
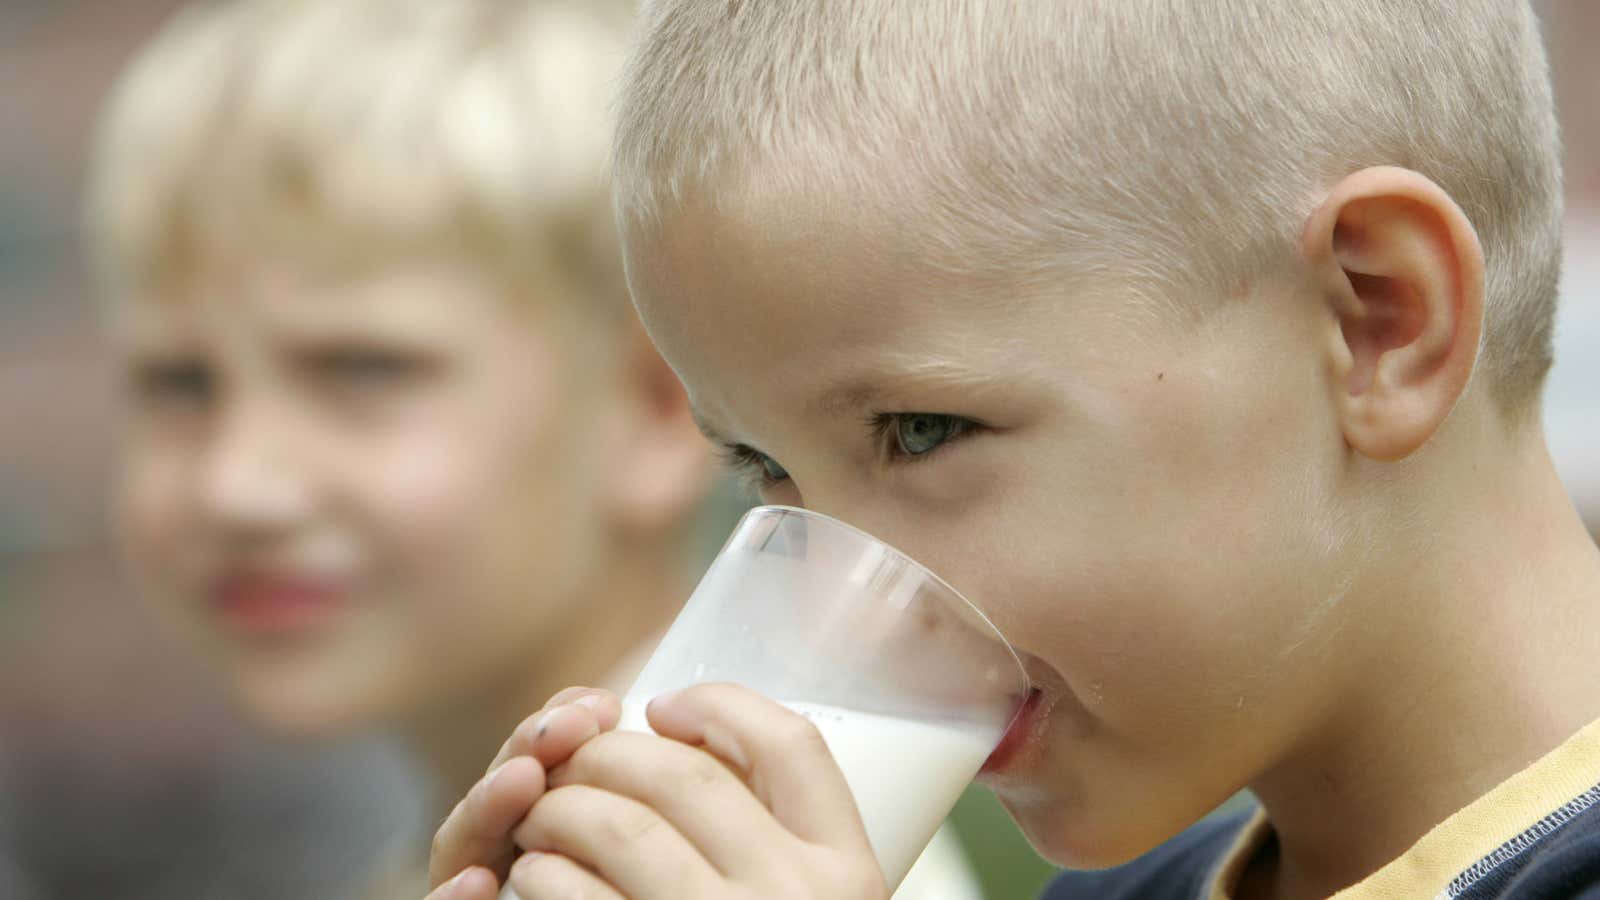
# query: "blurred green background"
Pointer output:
{"type": "Point", "coordinates": [1007, 867]}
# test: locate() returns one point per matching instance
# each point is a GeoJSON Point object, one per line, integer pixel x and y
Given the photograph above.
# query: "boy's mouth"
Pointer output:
{"type": "Point", "coordinates": [257, 604]}
{"type": "Point", "coordinates": [1023, 729]}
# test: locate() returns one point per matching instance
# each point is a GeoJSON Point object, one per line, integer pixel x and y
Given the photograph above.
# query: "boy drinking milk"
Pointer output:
{"type": "Point", "coordinates": [1199, 343]}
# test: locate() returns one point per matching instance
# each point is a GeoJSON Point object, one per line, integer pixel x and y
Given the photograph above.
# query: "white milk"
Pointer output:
{"type": "Point", "coordinates": [905, 774]}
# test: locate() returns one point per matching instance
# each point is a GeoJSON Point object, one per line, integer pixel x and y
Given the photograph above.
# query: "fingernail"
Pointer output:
{"type": "Point", "coordinates": [664, 699]}
{"type": "Point", "coordinates": [590, 702]}
{"type": "Point", "coordinates": [452, 886]}
{"type": "Point", "coordinates": [494, 775]}
{"type": "Point", "coordinates": [546, 720]}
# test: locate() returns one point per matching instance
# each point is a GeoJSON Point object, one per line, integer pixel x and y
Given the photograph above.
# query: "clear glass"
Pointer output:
{"type": "Point", "coordinates": [911, 686]}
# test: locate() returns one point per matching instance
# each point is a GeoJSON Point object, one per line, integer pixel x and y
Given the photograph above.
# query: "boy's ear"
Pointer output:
{"type": "Point", "coordinates": [1402, 271]}
{"type": "Point", "coordinates": [664, 464]}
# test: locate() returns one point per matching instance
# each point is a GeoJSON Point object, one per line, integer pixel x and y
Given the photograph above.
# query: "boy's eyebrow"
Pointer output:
{"type": "Point", "coordinates": [863, 389]}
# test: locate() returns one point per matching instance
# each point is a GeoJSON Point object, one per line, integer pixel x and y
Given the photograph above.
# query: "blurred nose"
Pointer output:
{"type": "Point", "coordinates": [254, 479]}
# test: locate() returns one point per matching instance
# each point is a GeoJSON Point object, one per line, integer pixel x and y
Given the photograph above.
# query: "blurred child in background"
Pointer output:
{"type": "Point", "coordinates": [396, 453]}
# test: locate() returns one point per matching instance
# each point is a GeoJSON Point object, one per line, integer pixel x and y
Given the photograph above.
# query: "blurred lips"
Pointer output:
{"type": "Point", "coordinates": [277, 604]}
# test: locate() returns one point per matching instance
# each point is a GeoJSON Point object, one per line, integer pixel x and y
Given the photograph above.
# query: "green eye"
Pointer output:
{"type": "Point", "coordinates": [752, 462]}
{"type": "Point", "coordinates": [772, 470]}
{"type": "Point", "coordinates": [920, 433]}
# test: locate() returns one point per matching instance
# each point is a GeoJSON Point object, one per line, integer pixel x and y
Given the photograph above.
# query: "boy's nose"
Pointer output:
{"type": "Point", "coordinates": [253, 479]}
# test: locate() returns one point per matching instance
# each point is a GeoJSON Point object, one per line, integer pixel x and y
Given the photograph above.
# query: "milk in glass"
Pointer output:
{"type": "Point", "coordinates": [905, 774]}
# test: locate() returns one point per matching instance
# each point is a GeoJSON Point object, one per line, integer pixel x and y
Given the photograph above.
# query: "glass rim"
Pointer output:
{"type": "Point", "coordinates": [1027, 682]}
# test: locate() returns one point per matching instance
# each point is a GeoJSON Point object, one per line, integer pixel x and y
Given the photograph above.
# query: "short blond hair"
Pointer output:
{"type": "Point", "coordinates": [352, 132]}
{"type": "Point", "coordinates": [1179, 143]}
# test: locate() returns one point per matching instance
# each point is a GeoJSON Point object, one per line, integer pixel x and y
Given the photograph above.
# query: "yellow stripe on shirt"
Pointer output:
{"type": "Point", "coordinates": [1459, 842]}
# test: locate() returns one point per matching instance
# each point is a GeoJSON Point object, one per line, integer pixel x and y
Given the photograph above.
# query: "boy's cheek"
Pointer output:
{"type": "Point", "coordinates": [1161, 668]}
{"type": "Point", "coordinates": [476, 507]}
{"type": "Point", "coordinates": [1131, 755]}
{"type": "Point", "coordinates": [483, 542]}
{"type": "Point", "coordinates": [415, 496]}
{"type": "Point", "coordinates": [156, 526]}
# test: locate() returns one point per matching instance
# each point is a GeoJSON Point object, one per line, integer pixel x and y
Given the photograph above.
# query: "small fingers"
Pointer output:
{"type": "Point", "coordinates": [603, 703]}
{"type": "Point", "coordinates": [627, 843]}
{"type": "Point", "coordinates": [781, 753]}
{"type": "Point", "coordinates": [567, 720]}
{"type": "Point", "coordinates": [477, 833]}
{"type": "Point", "coordinates": [550, 876]}
{"type": "Point", "coordinates": [693, 790]}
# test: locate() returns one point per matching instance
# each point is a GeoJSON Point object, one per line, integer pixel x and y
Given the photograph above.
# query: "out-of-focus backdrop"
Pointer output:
{"type": "Point", "coordinates": [122, 775]}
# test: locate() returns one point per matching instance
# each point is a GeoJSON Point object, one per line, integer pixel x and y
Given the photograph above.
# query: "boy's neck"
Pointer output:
{"type": "Point", "coordinates": [1491, 659]}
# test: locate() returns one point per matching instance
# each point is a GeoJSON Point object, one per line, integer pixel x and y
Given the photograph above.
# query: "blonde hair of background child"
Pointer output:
{"type": "Point", "coordinates": [471, 126]}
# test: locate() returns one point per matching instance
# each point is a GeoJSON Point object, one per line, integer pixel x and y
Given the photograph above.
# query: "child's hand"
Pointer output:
{"type": "Point", "coordinates": [474, 846]}
{"type": "Point", "coordinates": [743, 801]}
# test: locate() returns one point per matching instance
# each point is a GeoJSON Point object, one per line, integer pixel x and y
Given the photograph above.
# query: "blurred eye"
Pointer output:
{"type": "Point", "coordinates": [355, 368]}
{"type": "Point", "coordinates": [174, 385]}
{"type": "Point", "coordinates": [917, 434]}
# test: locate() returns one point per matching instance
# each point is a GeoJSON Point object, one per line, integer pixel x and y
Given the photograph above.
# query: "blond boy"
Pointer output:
{"type": "Point", "coordinates": [395, 453]}
{"type": "Point", "coordinates": [1200, 343]}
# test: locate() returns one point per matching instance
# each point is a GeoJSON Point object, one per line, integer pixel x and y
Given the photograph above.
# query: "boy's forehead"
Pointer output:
{"type": "Point", "coordinates": [423, 295]}
{"type": "Point", "coordinates": [801, 259]}
{"type": "Point", "coordinates": [829, 311]}
{"type": "Point", "coordinates": [754, 277]}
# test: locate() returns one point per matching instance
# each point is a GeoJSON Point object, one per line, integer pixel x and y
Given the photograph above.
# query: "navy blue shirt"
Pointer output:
{"type": "Point", "coordinates": [1177, 870]}
{"type": "Point", "coordinates": [1556, 859]}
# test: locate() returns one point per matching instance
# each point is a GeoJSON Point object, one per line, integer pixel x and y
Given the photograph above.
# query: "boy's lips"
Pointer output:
{"type": "Point", "coordinates": [1023, 731]}
{"type": "Point", "coordinates": [266, 605]}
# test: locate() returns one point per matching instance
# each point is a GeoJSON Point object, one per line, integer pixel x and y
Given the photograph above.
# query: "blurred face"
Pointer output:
{"type": "Point", "coordinates": [1144, 507]}
{"type": "Point", "coordinates": [364, 499]}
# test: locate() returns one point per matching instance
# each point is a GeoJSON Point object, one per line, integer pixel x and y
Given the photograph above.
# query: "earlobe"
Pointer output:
{"type": "Point", "coordinates": [1401, 270]}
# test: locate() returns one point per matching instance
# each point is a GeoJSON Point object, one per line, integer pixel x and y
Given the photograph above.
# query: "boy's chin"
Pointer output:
{"type": "Point", "coordinates": [1083, 838]}
{"type": "Point", "coordinates": [303, 704]}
